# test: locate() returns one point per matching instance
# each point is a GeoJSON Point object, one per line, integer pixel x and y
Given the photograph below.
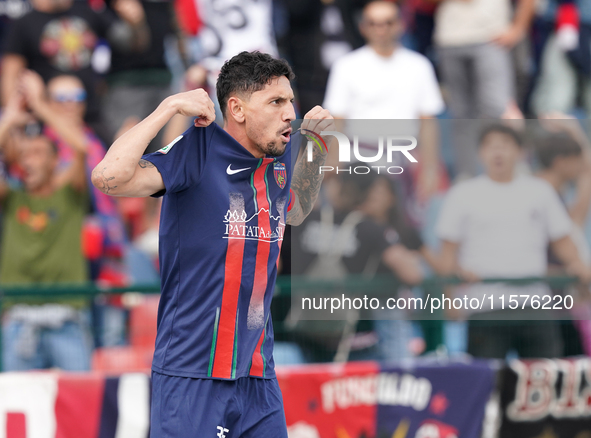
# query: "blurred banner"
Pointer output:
{"type": "Point", "coordinates": [352, 400]}
{"type": "Point", "coordinates": [434, 401]}
{"type": "Point", "coordinates": [330, 400]}
{"type": "Point", "coordinates": [60, 405]}
{"type": "Point", "coordinates": [419, 399]}
{"type": "Point", "coordinates": [546, 398]}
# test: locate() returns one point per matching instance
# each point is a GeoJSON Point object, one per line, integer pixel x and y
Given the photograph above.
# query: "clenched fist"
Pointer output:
{"type": "Point", "coordinates": [195, 103]}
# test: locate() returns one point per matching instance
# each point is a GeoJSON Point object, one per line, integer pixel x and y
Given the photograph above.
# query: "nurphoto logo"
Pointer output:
{"type": "Point", "coordinates": [393, 144]}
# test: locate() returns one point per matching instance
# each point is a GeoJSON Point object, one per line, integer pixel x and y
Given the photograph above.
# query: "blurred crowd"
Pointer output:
{"type": "Point", "coordinates": [76, 74]}
{"type": "Point", "coordinates": [525, 216]}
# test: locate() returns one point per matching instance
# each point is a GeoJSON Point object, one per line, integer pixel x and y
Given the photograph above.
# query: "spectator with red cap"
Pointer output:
{"type": "Point", "coordinates": [565, 58]}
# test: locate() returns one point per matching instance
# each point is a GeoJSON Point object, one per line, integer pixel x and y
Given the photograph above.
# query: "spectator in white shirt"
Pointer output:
{"type": "Point", "coordinates": [499, 225]}
{"type": "Point", "coordinates": [383, 80]}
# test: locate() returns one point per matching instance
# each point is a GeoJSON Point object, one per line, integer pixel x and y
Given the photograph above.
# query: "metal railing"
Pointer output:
{"type": "Point", "coordinates": [284, 287]}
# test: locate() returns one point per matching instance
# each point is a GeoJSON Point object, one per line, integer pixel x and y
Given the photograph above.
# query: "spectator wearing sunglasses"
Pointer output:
{"type": "Point", "coordinates": [41, 243]}
{"type": "Point", "coordinates": [383, 80]}
{"type": "Point", "coordinates": [62, 108]}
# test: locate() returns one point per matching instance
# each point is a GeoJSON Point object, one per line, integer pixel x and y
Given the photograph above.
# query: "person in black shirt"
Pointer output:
{"type": "Point", "coordinates": [383, 206]}
{"type": "Point", "coordinates": [140, 80]}
{"type": "Point", "coordinates": [339, 239]}
{"type": "Point", "coordinates": [59, 37]}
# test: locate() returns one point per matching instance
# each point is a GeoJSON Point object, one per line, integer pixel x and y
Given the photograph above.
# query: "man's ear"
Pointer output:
{"type": "Point", "coordinates": [236, 109]}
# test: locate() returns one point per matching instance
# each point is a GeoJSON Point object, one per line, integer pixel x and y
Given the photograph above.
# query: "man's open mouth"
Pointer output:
{"type": "Point", "coordinates": [285, 135]}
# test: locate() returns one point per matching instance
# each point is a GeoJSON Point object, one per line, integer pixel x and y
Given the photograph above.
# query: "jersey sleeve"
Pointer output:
{"type": "Point", "coordinates": [181, 162]}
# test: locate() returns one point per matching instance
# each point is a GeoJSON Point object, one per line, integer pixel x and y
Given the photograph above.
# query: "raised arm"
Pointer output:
{"type": "Point", "coordinates": [307, 178]}
{"type": "Point", "coordinates": [13, 116]}
{"type": "Point", "coordinates": [122, 172]}
{"type": "Point", "coordinates": [12, 65]}
{"type": "Point", "coordinates": [70, 132]}
{"type": "Point", "coordinates": [131, 33]}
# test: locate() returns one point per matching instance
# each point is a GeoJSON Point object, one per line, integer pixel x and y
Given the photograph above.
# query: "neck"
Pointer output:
{"type": "Point", "coordinates": [384, 50]}
{"type": "Point", "coordinates": [42, 191]}
{"type": "Point", "coordinates": [502, 177]}
{"type": "Point", "coordinates": [554, 179]}
{"type": "Point", "coordinates": [239, 134]}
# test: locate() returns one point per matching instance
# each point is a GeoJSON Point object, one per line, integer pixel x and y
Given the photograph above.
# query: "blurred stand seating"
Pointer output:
{"type": "Point", "coordinates": [137, 356]}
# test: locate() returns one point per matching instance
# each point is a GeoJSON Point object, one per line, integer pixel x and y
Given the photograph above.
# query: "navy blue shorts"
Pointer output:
{"type": "Point", "coordinates": [184, 407]}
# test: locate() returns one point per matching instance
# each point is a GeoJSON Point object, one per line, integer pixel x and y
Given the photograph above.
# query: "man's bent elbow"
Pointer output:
{"type": "Point", "coordinates": [105, 184]}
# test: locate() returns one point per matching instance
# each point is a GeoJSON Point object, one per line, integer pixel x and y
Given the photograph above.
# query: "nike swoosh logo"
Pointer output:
{"type": "Point", "coordinates": [231, 171]}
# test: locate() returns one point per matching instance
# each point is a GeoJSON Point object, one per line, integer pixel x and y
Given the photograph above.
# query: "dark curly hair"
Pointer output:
{"type": "Point", "coordinates": [248, 72]}
{"type": "Point", "coordinates": [557, 145]}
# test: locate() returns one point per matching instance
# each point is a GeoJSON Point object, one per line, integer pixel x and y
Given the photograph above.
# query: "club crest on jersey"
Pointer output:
{"type": "Point", "coordinates": [166, 149]}
{"type": "Point", "coordinates": [280, 174]}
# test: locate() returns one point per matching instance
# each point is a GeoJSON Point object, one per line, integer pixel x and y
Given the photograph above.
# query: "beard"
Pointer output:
{"type": "Point", "coordinates": [277, 147]}
{"type": "Point", "coordinates": [274, 149]}
{"type": "Point", "coordinates": [270, 144]}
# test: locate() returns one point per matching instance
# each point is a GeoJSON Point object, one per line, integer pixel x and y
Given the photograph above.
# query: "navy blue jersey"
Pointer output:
{"type": "Point", "coordinates": [221, 229]}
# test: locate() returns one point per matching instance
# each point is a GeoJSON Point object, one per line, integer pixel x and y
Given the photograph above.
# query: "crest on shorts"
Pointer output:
{"type": "Point", "coordinates": [280, 174]}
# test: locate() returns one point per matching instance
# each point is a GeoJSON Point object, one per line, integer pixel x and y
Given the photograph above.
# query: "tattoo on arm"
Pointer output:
{"type": "Point", "coordinates": [145, 163]}
{"type": "Point", "coordinates": [104, 183]}
{"type": "Point", "coordinates": [305, 183]}
{"type": "Point", "coordinates": [295, 216]}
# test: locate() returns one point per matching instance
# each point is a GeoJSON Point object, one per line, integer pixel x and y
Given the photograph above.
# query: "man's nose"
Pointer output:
{"type": "Point", "coordinates": [289, 114]}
